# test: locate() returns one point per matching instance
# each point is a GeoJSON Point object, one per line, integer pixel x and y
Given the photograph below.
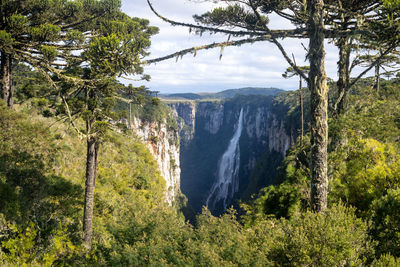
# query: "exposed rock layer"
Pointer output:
{"type": "Point", "coordinates": [206, 127]}
{"type": "Point", "coordinates": [164, 146]}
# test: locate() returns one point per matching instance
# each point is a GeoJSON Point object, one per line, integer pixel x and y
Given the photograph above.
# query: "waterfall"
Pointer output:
{"type": "Point", "coordinates": [227, 182]}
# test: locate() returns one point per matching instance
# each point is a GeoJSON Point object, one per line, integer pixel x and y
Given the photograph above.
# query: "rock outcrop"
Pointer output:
{"type": "Point", "coordinates": [164, 146]}
{"type": "Point", "coordinates": [184, 113]}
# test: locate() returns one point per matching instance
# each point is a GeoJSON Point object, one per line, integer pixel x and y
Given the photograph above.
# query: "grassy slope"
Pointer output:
{"type": "Point", "coordinates": [42, 168]}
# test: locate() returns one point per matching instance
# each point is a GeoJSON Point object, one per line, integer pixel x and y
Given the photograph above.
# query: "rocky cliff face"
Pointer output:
{"type": "Point", "coordinates": [212, 113]}
{"type": "Point", "coordinates": [266, 128]}
{"type": "Point", "coordinates": [184, 113]}
{"type": "Point", "coordinates": [207, 128]}
{"type": "Point", "coordinates": [164, 146]}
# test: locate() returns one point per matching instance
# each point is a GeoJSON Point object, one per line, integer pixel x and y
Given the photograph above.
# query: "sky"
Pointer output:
{"type": "Point", "coordinates": [251, 65]}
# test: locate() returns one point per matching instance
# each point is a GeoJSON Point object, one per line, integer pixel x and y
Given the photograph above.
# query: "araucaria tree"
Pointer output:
{"type": "Point", "coordinates": [89, 86]}
{"type": "Point", "coordinates": [366, 26]}
{"type": "Point", "coordinates": [315, 20]}
{"type": "Point", "coordinates": [43, 34]}
{"type": "Point", "coordinates": [81, 47]}
{"type": "Point", "coordinates": [388, 63]}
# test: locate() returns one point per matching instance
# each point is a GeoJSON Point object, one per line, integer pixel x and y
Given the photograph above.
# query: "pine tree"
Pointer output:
{"type": "Point", "coordinates": [365, 25]}
{"type": "Point", "coordinates": [89, 90]}
{"type": "Point", "coordinates": [45, 34]}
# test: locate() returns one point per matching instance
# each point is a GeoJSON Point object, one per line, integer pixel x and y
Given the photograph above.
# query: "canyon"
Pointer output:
{"type": "Point", "coordinates": [223, 149]}
{"type": "Point", "coordinates": [231, 148]}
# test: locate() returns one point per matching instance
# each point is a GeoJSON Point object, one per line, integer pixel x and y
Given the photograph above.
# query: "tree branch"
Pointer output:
{"type": "Point", "coordinates": [280, 47]}
{"type": "Point", "coordinates": [355, 80]}
{"type": "Point", "coordinates": [194, 50]}
{"type": "Point", "coordinates": [295, 33]}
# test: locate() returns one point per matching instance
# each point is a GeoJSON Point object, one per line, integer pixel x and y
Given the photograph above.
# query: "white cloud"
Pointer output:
{"type": "Point", "coordinates": [259, 64]}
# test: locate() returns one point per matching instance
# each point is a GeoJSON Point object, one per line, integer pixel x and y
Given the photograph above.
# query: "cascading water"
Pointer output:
{"type": "Point", "coordinates": [227, 182]}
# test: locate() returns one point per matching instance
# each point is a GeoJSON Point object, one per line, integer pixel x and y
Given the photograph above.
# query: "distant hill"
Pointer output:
{"type": "Point", "coordinates": [188, 96]}
{"type": "Point", "coordinates": [248, 91]}
{"type": "Point", "coordinates": [224, 94]}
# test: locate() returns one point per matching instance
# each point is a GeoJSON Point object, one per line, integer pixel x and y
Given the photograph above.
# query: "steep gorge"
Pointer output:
{"type": "Point", "coordinates": [207, 128]}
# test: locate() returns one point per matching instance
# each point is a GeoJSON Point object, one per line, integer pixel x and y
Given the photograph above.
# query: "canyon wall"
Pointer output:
{"type": "Point", "coordinates": [206, 129]}
{"type": "Point", "coordinates": [163, 144]}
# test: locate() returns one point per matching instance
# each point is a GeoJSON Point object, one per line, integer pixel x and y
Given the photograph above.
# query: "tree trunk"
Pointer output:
{"type": "Point", "coordinates": [319, 107]}
{"type": "Point", "coordinates": [301, 112]}
{"type": "Point", "coordinates": [377, 78]}
{"type": "Point", "coordinates": [343, 71]}
{"type": "Point", "coordinates": [130, 115]}
{"type": "Point", "coordinates": [7, 88]}
{"type": "Point", "coordinates": [91, 173]}
{"type": "Point", "coordinates": [89, 191]}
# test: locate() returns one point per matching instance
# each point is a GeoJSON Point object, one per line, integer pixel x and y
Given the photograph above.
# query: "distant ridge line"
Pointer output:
{"type": "Point", "coordinates": [229, 93]}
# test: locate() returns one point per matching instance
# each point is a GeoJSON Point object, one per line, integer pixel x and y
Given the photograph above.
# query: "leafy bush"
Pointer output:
{"type": "Point", "coordinates": [21, 247]}
{"type": "Point", "coordinates": [224, 242]}
{"type": "Point", "coordinates": [363, 170]}
{"type": "Point", "coordinates": [336, 238]}
{"type": "Point", "coordinates": [386, 260]}
{"type": "Point", "coordinates": [385, 226]}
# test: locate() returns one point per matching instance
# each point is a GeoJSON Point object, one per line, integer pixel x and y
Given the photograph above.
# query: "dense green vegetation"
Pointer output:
{"type": "Point", "coordinates": [42, 188]}
{"type": "Point", "coordinates": [364, 168]}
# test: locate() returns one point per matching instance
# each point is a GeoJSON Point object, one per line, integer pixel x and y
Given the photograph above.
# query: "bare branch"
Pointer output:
{"type": "Point", "coordinates": [194, 50]}
{"type": "Point", "coordinates": [280, 47]}
{"type": "Point", "coordinates": [293, 33]}
{"type": "Point", "coordinates": [80, 134]}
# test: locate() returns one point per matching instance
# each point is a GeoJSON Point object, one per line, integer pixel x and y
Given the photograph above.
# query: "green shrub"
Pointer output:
{"type": "Point", "coordinates": [21, 247]}
{"type": "Point", "coordinates": [363, 170]}
{"type": "Point", "coordinates": [336, 238]}
{"type": "Point", "coordinates": [222, 241]}
{"type": "Point", "coordinates": [385, 226]}
{"type": "Point", "coordinates": [386, 260]}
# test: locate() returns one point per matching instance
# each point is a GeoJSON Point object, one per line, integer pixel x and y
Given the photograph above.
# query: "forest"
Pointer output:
{"type": "Point", "coordinates": [80, 187]}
